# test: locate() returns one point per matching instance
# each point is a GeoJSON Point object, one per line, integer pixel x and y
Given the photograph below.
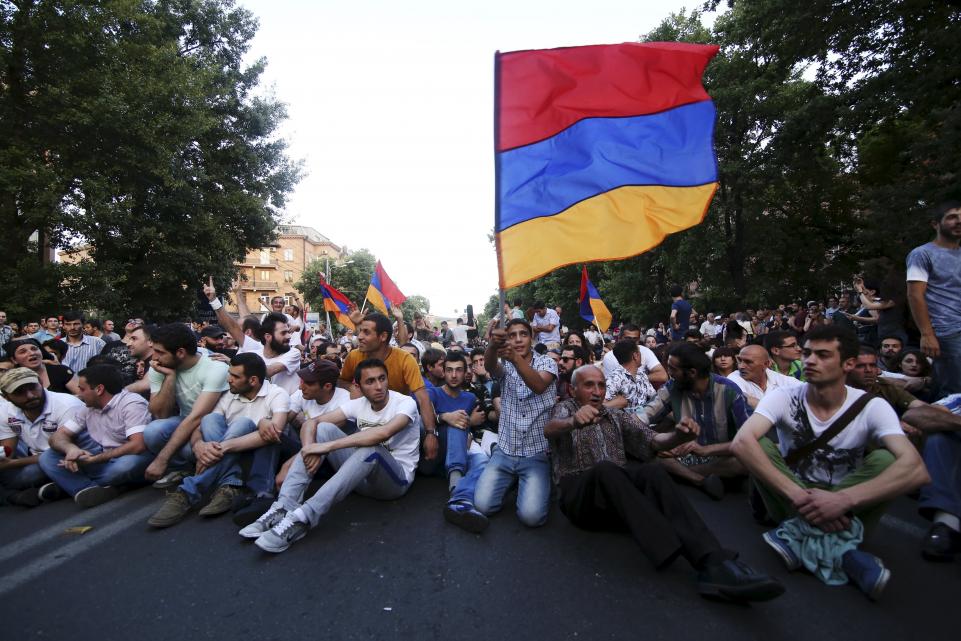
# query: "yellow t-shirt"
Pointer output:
{"type": "Point", "coordinates": [403, 375]}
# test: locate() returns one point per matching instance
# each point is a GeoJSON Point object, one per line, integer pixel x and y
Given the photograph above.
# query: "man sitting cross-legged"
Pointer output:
{"type": "Point", "coordinates": [102, 446]}
{"type": "Point", "coordinates": [599, 489]}
{"type": "Point", "coordinates": [248, 416]}
{"type": "Point", "coordinates": [826, 482]}
{"type": "Point", "coordinates": [377, 461]}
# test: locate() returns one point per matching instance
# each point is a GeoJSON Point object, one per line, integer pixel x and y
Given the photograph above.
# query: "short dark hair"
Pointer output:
{"type": "Point", "coordinates": [693, 357]}
{"type": "Point", "coordinates": [776, 339]}
{"type": "Point", "coordinates": [72, 315]}
{"type": "Point", "coordinates": [539, 305]}
{"type": "Point", "coordinates": [694, 333]}
{"type": "Point", "coordinates": [57, 345]}
{"type": "Point", "coordinates": [270, 322]}
{"type": "Point", "coordinates": [477, 351]}
{"type": "Point", "coordinates": [382, 324]}
{"type": "Point", "coordinates": [252, 363]}
{"type": "Point", "coordinates": [252, 323]}
{"type": "Point", "coordinates": [579, 352]}
{"type": "Point", "coordinates": [847, 340]}
{"type": "Point", "coordinates": [630, 327]}
{"type": "Point", "coordinates": [455, 357]}
{"type": "Point", "coordinates": [368, 363]}
{"type": "Point", "coordinates": [296, 309]}
{"type": "Point", "coordinates": [11, 345]}
{"type": "Point", "coordinates": [676, 290]}
{"type": "Point", "coordinates": [937, 212]}
{"type": "Point", "coordinates": [94, 322]}
{"type": "Point", "coordinates": [432, 356]}
{"type": "Point", "coordinates": [520, 321]}
{"type": "Point", "coordinates": [174, 336]}
{"type": "Point", "coordinates": [867, 350]}
{"type": "Point", "coordinates": [894, 337]}
{"type": "Point", "coordinates": [102, 374]}
{"type": "Point", "coordinates": [624, 350]}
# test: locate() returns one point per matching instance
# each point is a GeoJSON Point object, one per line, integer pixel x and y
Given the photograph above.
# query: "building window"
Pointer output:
{"type": "Point", "coordinates": [288, 254]}
{"type": "Point", "coordinates": [288, 276]}
{"type": "Point", "coordinates": [264, 256]}
{"type": "Point", "coordinates": [264, 275]}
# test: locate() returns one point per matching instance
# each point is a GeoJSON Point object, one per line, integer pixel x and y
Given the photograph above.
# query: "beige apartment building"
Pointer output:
{"type": "Point", "coordinates": [273, 271]}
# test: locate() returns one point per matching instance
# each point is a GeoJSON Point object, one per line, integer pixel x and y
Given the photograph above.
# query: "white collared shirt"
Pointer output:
{"type": "Point", "coordinates": [775, 380]}
{"type": "Point", "coordinates": [58, 409]}
{"type": "Point", "coordinates": [270, 400]}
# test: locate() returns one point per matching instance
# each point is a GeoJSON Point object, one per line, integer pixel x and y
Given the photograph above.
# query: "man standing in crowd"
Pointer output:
{"type": "Point", "coordinates": [27, 419]}
{"type": "Point", "coordinates": [680, 314]}
{"type": "Point", "coordinates": [184, 387]}
{"type": "Point", "coordinates": [376, 461]}
{"type": "Point", "coordinates": [252, 405]}
{"type": "Point", "coordinates": [108, 333]}
{"type": "Point", "coordinates": [528, 392]}
{"type": "Point", "coordinates": [754, 374]}
{"type": "Point", "coordinates": [80, 347]}
{"type": "Point", "coordinates": [650, 366]}
{"type": "Point", "coordinates": [101, 447]}
{"type": "Point", "coordinates": [715, 405]}
{"type": "Point", "coordinates": [599, 488]}
{"type": "Point", "coordinates": [546, 326]}
{"type": "Point", "coordinates": [822, 477]}
{"type": "Point", "coordinates": [934, 295]}
{"type": "Point", "coordinates": [6, 333]}
{"type": "Point", "coordinates": [785, 353]}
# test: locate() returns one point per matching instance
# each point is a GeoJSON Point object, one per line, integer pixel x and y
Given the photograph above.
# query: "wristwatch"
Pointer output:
{"type": "Point", "coordinates": [432, 432]}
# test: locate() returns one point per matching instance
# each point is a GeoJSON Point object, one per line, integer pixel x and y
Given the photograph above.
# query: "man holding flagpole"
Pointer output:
{"type": "Point", "coordinates": [528, 392]}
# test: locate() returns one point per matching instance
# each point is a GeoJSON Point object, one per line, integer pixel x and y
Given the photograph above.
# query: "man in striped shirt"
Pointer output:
{"type": "Point", "coordinates": [80, 347]}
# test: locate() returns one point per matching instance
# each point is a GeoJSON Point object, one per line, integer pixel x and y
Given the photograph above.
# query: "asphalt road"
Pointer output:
{"type": "Point", "coordinates": [398, 570]}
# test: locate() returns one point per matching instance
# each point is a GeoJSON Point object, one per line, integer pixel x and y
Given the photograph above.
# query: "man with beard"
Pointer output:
{"type": "Point", "coordinates": [137, 339]}
{"type": "Point", "coordinates": [572, 357]}
{"type": "Point", "coordinates": [28, 417]}
{"type": "Point", "coordinates": [891, 347]}
{"type": "Point", "coordinates": [600, 489]}
{"type": "Point", "coordinates": [184, 387]}
{"type": "Point", "coordinates": [26, 352]}
{"type": "Point", "coordinates": [821, 478]}
{"type": "Point", "coordinates": [282, 360]}
{"type": "Point", "coordinates": [102, 447]}
{"type": "Point", "coordinates": [376, 461]}
{"type": "Point", "coordinates": [246, 417]}
{"type": "Point", "coordinates": [715, 405]}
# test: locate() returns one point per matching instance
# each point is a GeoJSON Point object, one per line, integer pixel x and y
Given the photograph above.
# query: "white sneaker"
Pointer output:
{"type": "Point", "coordinates": [268, 519]}
{"type": "Point", "coordinates": [281, 536]}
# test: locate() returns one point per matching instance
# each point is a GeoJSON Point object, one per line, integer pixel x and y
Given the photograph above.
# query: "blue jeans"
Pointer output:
{"type": "Point", "coordinates": [226, 471]}
{"type": "Point", "coordinates": [122, 470]}
{"type": "Point", "coordinates": [947, 366]}
{"type": "Point", "coordinates": [266, 462]}
{"type": "Point", "coordinates": [466, 487]}
{"type": "Point", "coordinates": [156, 435]}
{"type": "Point", "coordinates": [533, 476]}
{"type": "Point", "coordinates": [21, 478]}
{"type": "Point", "coordinates": [942, 456]}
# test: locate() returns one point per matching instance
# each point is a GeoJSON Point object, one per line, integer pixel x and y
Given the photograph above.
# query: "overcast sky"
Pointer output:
{"type": "Point", "coordinates": [390, 107]}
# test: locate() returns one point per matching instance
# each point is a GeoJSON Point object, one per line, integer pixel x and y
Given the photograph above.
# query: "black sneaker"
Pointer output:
{"type": "Point", "coordinates": [737, 581]}
{"type": "Point", "coordinates": [465, 516]}
{"type": "Point", "coordinates": [50, 492]}
{"type": "Point", "coordinates": [941, 543]}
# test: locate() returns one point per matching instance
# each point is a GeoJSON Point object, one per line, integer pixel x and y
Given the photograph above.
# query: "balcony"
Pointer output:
{"type": "Point", "coordinates": [260, 285]}
{"type": "Point", "coordinates": [273, 262]}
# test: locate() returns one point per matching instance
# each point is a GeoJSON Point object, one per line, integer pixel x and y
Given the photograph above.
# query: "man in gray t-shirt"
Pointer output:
{"type": "Point", "coordinates": [934, 293]}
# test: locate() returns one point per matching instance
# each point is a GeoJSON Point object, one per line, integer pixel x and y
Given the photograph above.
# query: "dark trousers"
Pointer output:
{"type": "Point", "coordinates": [643, 498]}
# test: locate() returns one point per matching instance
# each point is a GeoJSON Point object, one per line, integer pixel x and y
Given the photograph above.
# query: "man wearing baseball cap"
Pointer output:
{"type": "Point", "coordinates": [29, 415]}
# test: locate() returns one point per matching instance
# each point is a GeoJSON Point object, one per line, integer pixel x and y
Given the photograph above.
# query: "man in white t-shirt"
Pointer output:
{"type": "Point", "coordinates": [29, 415]}
{"type": "Point", "coordinates": [829, 485]}
{"type": "Point", "coordinates": [754, 374]}
{"type": "Point", "coordinates": [377, 461]}
{"type": "Point", "coordinates": [546, 326]}
{"type": "Point", "coordinates": [709, 328]}
{"type": "Point", "coordinates": [650, 366]}
{"type": "Point", "coordinates": [276, 347]}
{"type": "Point", "coordinates": [460, 331]}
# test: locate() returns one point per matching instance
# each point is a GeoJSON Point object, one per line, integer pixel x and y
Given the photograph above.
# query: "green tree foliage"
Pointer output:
{"type": "Point", "coordinates": [351, 276]}
{"type": "Point", "coordinates": [133, 128]}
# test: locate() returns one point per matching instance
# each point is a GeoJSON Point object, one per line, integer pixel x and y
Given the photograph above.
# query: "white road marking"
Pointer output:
{"type": "Point", "coordinates": [73, 549]}
{"type": "Point", "coordinates": [80, 517]}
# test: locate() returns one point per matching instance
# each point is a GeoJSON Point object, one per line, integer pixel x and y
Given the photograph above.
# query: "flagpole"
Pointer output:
{"type": "Point", "coordinates": [497, 190]}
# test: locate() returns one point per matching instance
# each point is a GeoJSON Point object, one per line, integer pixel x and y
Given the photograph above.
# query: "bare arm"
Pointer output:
{"type": "Point", "coordinates": [748, 451]}
{"type": "Point", "coordinates": [253, 440]}
{"type": "Point", "coordinates": [931, 418]}
{"type": "Point", "coordinates": [906, 474]}
{"type": "Point", "coordinates": [205, 403]}
{"type": "Point", "coordinates": [919, 311]}
{"type": "Point", "coordinates": [162, 403]}
{"type": "Point", "coordinates": [657, 375]}
{"type": "Point", "coordinates": [365, 438]}
{"type": "Point", "coordinates": [141, 387]}
{"type": "Point", "coordinates": [73, 385]}
{"type": "Point", "coordinates": [426, 408]}
{"type": "Point", "coordinates": [537, 380]}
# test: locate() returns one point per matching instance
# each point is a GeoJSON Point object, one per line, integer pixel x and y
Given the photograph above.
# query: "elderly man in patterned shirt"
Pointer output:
{"type": "Point", "coordinates": [528, 392]}
{"type": "Point", "coordinates": [599, 489]}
